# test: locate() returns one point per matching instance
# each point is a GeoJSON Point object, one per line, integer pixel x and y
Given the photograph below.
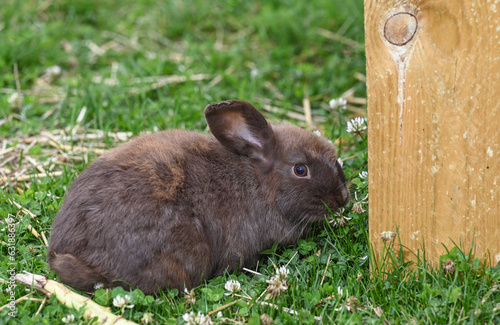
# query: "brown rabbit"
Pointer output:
{"type": "Point", "coordinates": [173, 208]}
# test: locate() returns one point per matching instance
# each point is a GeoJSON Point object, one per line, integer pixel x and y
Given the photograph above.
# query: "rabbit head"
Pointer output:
{"type": "Point", "coordinates": [299, 169]}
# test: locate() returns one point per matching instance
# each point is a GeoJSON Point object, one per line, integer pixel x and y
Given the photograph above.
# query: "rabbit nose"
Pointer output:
{"type": "Point", "coordinates": [344, 196]}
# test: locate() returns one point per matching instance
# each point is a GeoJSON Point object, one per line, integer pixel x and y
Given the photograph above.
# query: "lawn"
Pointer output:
{"type": "Point", "coordinates": [80, 77]}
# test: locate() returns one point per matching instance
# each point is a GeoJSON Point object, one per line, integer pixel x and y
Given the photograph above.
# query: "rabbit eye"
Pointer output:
{"type": "Point", "coordinates": [300, 170]}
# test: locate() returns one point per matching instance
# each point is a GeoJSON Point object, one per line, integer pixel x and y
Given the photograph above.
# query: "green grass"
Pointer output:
{"type": "Point", "coordinates": [265, 52]}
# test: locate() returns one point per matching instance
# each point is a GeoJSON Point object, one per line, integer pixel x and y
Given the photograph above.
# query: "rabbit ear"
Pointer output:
{"type": "Point", "coordinates": [242, 129]}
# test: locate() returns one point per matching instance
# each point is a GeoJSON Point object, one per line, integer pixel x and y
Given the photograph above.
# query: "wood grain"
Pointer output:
{"type": "Point", "coordinates": [434, 126]}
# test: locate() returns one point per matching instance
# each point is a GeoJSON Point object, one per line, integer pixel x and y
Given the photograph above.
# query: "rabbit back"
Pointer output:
{"type": "Point", "coordinates": [123, 217]}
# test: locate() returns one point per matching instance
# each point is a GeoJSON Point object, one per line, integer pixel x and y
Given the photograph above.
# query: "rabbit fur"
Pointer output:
{"type": "Point", "coordinates": [168, 210]}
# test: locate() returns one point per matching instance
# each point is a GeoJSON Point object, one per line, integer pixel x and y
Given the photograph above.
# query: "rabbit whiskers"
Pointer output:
{"type": "Point", "coordinates": [302, 223]}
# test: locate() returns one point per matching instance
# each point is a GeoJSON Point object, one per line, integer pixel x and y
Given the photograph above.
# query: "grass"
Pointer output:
{"type": "Point", "coordinates": [113, 57]}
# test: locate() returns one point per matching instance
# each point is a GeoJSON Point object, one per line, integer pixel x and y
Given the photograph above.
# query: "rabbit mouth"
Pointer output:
{"type": "Point", "coordinates": [318, 214]}
{"type": "Point", "coordinates": [328, 210]}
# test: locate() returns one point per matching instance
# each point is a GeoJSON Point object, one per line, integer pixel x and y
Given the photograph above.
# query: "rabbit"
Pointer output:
{"type": "Point", "coordinates": [171, 209]}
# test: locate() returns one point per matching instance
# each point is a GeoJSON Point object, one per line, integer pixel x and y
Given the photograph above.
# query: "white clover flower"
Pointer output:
{"type": "Point", "coordinates": [147, 318]}
{"type": "Point", "coordinates": [190, 296]}
{"type": "Point", "coordinates": [339, 222]}
{"type": "Point", "coordinates": [363, 174]}
{"type": "Point", "coordinates": [339, 213]}
{"type": "Point", "coordinates": [340, 292]}
{"type": "Point", "coordinates": [317, 133]}
{"type": "Point", "coordinates": [341, 163]}
{"type": "Point", "coordinates": [356, 125]}
{"type": "Point", "coordinates": [122, 302]}
{"type": "Point", "coordinates": [232, 286]}
{"type": "Point", "coordinates": [98, 285]}
{"type": "Point", "coordinates": [357, 207]}
{"type": "Point", "coordinates": [449, 267]}
{"type": "Point", "coordinates": [387, 235]}
{"type": "Point", "coordinates": [53, 71]}
{"type": "Point", "coordinates": [276, 286]}
{"type": "Point", "coordinates": [68, 319]}
{"type": "Point", "coordinates": [338, 219]}
{"type": "Point", "coordinates": [265, 319]}
{"type": "Point", "coordinates": [119, 302]}
{"type": "Point", "coordinates": [254, 73]}
{"type": "Point", "coordinates": [351, 304]}
{"type": "Point", "coordinates": [15, 99]}
{"type": "Point", "coordinates": [50, 74]}
{"type": "Point", "coordinates": [196, 319]}
{"type": "Point", "coordinates": [282, 272]}
{"type": "Point", "coordinates": [338, 102]}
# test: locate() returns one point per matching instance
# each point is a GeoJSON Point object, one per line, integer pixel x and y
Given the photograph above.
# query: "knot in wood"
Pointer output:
{"type": "Point", "coordinates": [400, 28]}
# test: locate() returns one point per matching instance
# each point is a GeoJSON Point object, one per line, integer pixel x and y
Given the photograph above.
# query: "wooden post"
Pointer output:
{"type": "Point", "coordinates": [433, 76]}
